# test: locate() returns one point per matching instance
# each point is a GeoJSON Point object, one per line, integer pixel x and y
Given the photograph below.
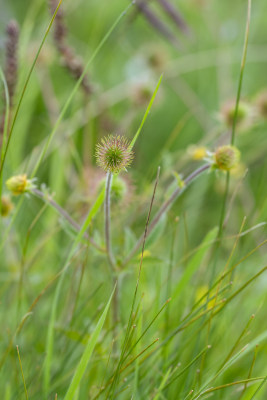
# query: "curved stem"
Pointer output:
{"type": "Point", "coordinates": [165, 206]}
{"type": "Point", "coordinates": [38, 193]}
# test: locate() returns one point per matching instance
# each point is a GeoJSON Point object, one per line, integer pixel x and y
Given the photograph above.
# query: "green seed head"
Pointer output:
{"type": "Point", "coordinates": [226, 157]}
{"type": "Point", "coordinates": [113, 154]}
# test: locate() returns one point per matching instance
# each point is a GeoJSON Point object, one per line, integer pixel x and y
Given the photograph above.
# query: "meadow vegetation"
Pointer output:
{"type": "Point", "coordinates": [133, 200]}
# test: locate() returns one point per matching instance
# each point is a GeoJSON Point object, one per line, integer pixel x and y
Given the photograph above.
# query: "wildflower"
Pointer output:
{"type": "Point", "coordinates": [6, 206]}
{"type": "Point", "coordinates": [226, 157]}
{"type": "Point", "coordinates": [197, 152]}
{"type": "Point", "coordinates": [19, 184]}
{"type": "Point", "coordinates": [113, 154]}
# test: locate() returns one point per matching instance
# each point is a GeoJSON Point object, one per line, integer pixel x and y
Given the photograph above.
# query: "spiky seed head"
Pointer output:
{"type": "Point", "coordinates": [6, 206]}
{"type": "Point", "coordinates": [19, 184]}
{"type": "Point", "coordinates": [113, 154]}
{"type": "Point", "coordinates": [226, 157]}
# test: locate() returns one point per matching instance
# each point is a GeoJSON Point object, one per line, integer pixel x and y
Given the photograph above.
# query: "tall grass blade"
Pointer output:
{"type": "Point", "coordinates": [80, 370]}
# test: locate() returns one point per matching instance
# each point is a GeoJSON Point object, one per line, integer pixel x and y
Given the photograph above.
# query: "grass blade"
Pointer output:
{"type": "Point", "coordinates": [75, 89]}
{"type": "Point", "coordinates": [195, 262]}
{"type": "Point", "coordinates": [80, 370]}
{"type": "Point", "coordinates": [146, 113]}
{"type": "Point", "coordinates": [25, 87]}
{"type": "Point", "coordinates": [50, 334]}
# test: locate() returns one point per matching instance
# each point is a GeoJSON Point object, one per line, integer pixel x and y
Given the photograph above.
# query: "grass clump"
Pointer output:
{"type": "Point", "coordinates": [145, 282]}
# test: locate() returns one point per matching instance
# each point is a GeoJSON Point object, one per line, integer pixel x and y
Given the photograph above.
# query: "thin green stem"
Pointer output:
{"type": "Point", "coordinates": [164, 208]}
{"type": "Point", "coordinates": [75, 89]}
{"type": "Point", "coordinates": [243, 63]}
{"type": "Point", "coordinates": [25, 87]}
{"type": "Point", "coordinates": [22, 374]}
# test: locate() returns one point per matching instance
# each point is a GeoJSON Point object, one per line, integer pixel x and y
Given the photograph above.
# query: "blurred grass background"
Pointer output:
{"type": "Point", "coordinates": [200, 75]}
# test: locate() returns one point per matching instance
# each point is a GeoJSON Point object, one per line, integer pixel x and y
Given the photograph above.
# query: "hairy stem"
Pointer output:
{"type": "Point", "coordinates": [164, 208]}
{"type": "Point", "coordinates": [107, 222]}
{"type": "Point", "coordinates": [112, 262]}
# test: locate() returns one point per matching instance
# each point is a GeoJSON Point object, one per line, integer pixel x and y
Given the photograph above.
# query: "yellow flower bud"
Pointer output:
{"type": "Point", "coordinates": [18, 184]}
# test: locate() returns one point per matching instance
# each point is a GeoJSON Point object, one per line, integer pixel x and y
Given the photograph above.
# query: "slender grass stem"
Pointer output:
{"type": "Point", "coordinates": [164, 208]}
{"type": "Point", "coordinates": [227, 183]}
{"type": "Point", "coordinates": [22, 374]}
{"type": "Point", "coordinates": [3, 158]}
{"type": "Point", "coordinates": [128, 329]}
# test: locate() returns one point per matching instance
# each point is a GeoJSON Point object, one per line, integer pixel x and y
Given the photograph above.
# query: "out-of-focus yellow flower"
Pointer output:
{"type": "Point", "coordinates": [147, 253]}
{"type": "Point", "coordinates": [197, 152]}
{"type": "Point", "coordinates": [200, 292]}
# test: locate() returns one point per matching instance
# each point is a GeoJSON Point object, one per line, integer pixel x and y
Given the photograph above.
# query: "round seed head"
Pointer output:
{"type": "Point", "coordinates": [226, 157]}
{"type": "Point", "coordinates": [113, 154]}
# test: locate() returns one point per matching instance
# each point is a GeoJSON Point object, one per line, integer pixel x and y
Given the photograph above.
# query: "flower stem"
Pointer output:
{"type": "Point", "coordinates": [112, 262]}
{"type": "Point", "coordinates": [164, 208]}
{"type": "Point", "coordinates": [107, 221]}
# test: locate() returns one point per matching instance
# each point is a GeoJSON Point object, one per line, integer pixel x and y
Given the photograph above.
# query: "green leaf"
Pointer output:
{"type": "Point", "coordinates": [164, 380]}
{"type": "Point", "coordinates": [80, 370]}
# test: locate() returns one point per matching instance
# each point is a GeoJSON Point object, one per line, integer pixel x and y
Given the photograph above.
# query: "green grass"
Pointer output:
{"type": "Point", "coordinates": [186, 318]}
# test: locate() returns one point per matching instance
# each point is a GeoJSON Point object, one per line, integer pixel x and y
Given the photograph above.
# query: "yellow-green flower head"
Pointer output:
{"type": "Point", "coordinates": [113, 154]}
{"type": "Point", "coordinates": [18, 184]}
{"type": "Point", "coordinates": [226, 157]}
{"type": "Point", "coordinates": [6, 206]}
